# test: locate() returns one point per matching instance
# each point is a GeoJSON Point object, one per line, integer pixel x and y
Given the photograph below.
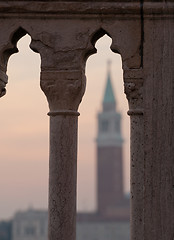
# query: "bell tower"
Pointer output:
{"type": "Point", "coordinates": [109, 153]}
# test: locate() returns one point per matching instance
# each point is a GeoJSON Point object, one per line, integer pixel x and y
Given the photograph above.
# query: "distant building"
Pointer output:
{"type": "Point", "coordinates": [30, 225]}
{"type": "Point", "coordinates": [5, 230]}
{"type": "Point", "coordinates": [110, 194]}
{"type": "Point", "coordinates": [112, 203]}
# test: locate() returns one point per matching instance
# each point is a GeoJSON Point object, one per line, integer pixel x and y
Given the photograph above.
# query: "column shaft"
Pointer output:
{"type": "Point", "coordinates": [62, 177]}
{"type": "Point", "coordinates": [137, 177]}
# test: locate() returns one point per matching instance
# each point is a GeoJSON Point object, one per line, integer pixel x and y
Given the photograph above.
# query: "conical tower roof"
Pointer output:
{"type": "Point", "coordinates": [109, 101]}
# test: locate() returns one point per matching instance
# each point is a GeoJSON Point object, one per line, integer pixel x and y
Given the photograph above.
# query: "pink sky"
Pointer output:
{"type": "Point", "coordinates": [24, 127]}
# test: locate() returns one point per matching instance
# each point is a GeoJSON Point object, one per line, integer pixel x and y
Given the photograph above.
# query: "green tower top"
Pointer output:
{"type": "Point", "coordinates": [109, 101]}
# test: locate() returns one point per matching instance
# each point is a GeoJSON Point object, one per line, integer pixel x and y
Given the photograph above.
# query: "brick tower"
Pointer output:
{"type": "Point", "coordinates": [109, 153]}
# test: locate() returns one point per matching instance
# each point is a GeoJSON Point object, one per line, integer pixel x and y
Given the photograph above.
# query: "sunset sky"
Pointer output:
{"type": "Point", "coordinates": [24, 130]}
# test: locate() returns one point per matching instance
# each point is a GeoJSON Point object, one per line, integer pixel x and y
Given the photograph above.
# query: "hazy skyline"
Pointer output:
{"type": "Point", "coordinates": [25, 130]}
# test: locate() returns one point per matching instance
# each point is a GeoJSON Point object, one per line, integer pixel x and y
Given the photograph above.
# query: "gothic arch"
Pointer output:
{"type": "Point", "coordinates": [119, 33]}
{"type": "Point", "coordinates": [11, 47]}
{"type": "Point", "coordinates": [6, 51]}
{"type": "Point", "coordinates": [95, 36]}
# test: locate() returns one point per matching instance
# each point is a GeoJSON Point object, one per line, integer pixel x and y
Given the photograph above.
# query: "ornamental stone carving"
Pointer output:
{"type": "Point", "coordinates": [64, 89]}
{"type": "Point", "coordinates": [133, 88]}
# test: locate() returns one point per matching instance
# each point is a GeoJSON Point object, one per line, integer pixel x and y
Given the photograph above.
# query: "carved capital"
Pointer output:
{"type": "Point", "coordinates": [3, 82]}
{"type": "Point", "coordinates": [64, 90]}
{"type": "Point", "coordinates": [133, 88]}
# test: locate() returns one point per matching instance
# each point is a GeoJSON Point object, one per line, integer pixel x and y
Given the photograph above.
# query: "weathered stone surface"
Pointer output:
{"type": "Point", "coordinates": [64, 33]}
{"type": "Point", "coordinates": [62, 177]}
{"type": "Point", "coordinates": [64, 89]}
{"type": "Point", "coordinates": [3, 82]}
{"type": "Point", "coordinates": [159, 128]}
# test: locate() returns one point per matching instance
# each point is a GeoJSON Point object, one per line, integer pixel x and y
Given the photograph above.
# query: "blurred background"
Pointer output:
{"type": "Point", "coordinates": [24, 141]}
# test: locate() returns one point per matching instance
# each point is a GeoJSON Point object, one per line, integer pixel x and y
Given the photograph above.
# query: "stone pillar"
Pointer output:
{"type": "Point", "coordinates": [64, 90]}
{"type": "Point", "coordinates": [159, 120]}
{"type": "Point", "coordinates": [133, 82]}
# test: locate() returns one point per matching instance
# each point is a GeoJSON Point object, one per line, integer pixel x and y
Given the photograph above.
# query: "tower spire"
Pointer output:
{"type": "Point", "coordinates": [109, 102]}
{"type": "Point", "coordinates": [109, 153]}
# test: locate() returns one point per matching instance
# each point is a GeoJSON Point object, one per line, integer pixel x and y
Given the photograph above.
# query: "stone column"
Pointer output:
{"type": "Point", "coordinates": [64, 90]}
{"type": "Point", "coordinates": [159, 120]}
{"type": "Point", "coordinates": [133, 83]}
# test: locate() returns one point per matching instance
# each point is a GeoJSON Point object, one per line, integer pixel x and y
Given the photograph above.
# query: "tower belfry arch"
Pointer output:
{"type": "Point", "coordinates": [64, 34]}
